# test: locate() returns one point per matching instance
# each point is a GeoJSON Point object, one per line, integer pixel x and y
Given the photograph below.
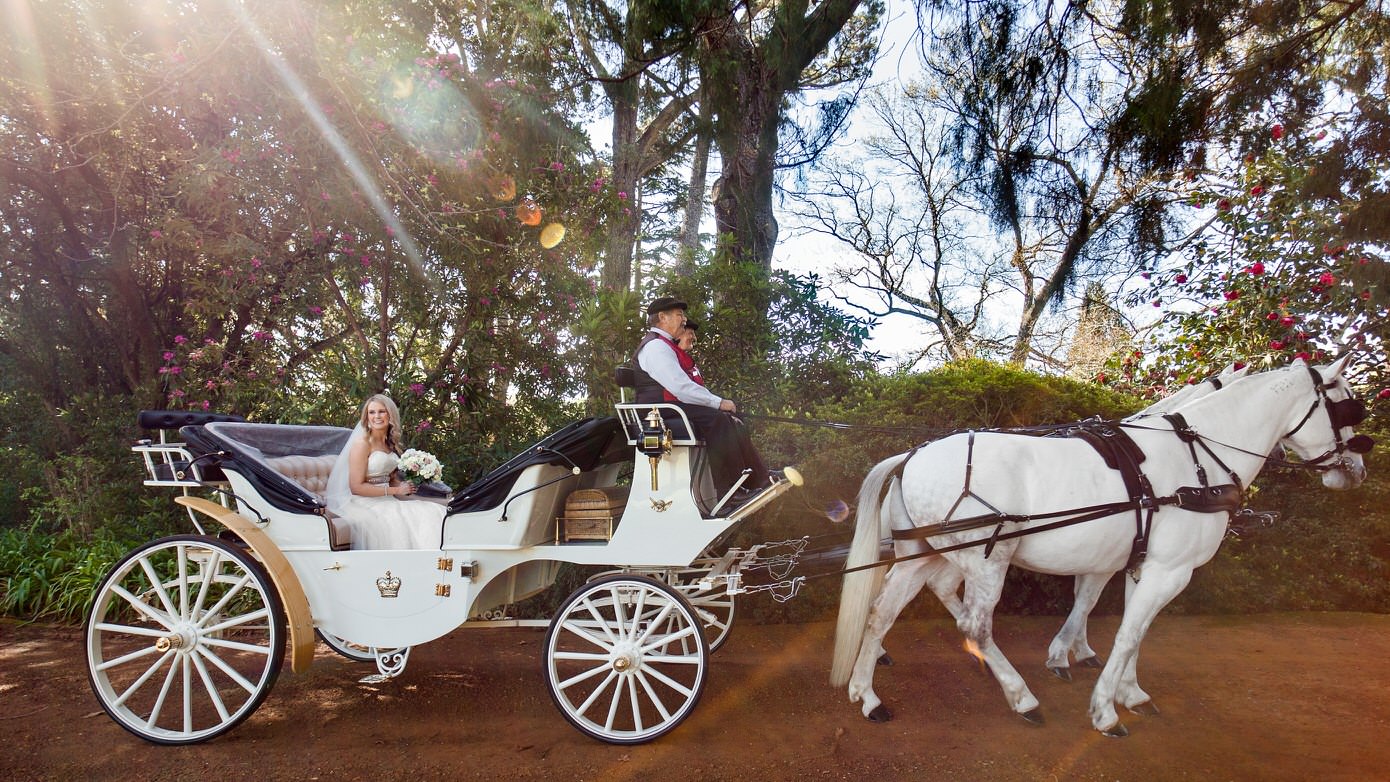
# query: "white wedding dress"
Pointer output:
{"type": "Point", "coordinates": [388, 522]}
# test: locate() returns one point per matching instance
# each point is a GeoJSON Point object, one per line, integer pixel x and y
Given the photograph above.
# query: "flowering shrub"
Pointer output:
{"type": "Point", "coordinates": [1273, 277]}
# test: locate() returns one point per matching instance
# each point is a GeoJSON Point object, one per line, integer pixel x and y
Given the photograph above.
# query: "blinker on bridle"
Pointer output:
{"type": "Point", "coordinates": [1347, 412]}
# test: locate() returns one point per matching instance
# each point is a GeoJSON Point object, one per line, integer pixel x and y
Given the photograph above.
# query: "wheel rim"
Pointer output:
{"type": "Point", "coordinates": [626, 659]}
{"type": "Point", "coordinates": [354, 651]}
{"type": "Point", "coordinates": [184, 639]}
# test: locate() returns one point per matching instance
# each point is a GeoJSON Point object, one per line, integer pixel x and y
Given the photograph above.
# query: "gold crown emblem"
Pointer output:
{"type": "Point", "coordinates": [389, 585]}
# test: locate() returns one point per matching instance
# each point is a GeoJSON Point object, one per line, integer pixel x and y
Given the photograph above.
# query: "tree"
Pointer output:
{"type": "Point", "coordinates": [752, 57]}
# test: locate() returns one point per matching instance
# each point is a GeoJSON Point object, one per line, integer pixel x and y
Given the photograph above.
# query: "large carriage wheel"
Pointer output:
{"type": "Point", "coordinates": [184, 639]}
{"type": "Point", "coordinates": [356, 652]}
{"type": "Point", "coordinates": [714, 606]}
{"type": "Point", "coordinates": [626, 659]}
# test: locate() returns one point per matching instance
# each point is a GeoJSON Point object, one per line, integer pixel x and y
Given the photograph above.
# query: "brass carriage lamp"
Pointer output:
{"type": "Point", "coordinates": [656, 441]}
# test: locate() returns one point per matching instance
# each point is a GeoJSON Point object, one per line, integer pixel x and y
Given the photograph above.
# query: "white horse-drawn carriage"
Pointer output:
{"type": "Point", "coordinates": [187, 634]}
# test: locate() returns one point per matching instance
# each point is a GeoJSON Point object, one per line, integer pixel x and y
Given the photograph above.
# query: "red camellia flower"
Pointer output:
{"type": "Point", "coordinates": [1224, 204]}
{"type": "Point", "coordinates": [1256, 190]}
{"type": "Point", "coordinates": [1257, 268]}
{"type": "Point", "coordinates": [1232, 295]}
{"type": "Point", "coordinates": [1384, 394]}
{"type": "Point", "coordinates": [1180, 279]}
{"type": "Point", "coordinates": [1276, 344]}
{"type": "Point", "coordinates": [1287, 320]}
{"type": "Point", "coordinates": [1326, 280]}
{"type": "Point", "coordinates": [1272, 316]}
{"type": "Point", "coordinates": [1238, 365]}
{"type": "Point", "coordinates": [1276, 132]}
{"type": "Point", "coordinates": [1303, 354]}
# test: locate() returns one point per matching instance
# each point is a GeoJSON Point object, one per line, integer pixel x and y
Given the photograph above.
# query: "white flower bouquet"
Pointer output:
{"type": "Point", "coordinates": [420, 467]}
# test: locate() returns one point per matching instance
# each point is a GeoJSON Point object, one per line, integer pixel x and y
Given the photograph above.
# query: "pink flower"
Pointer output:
{"type": "Point", "coordinates": [1272, 316]}
{"type": "Point", "coordinates": [1180, 279]}
{"type": "Point", "coordinates": [1224, 204]}
{"type": "Point", "coordinates": [256, 263]}
{"type": "Point", "coordinates": [1233, 294]}
{"type": "Point", "coordinates": [180, 339]}
{"type": "Point", "coordinates": [1256, 190]}
{"type": "Point", "coordinates": [423, 426]}
{"type": "Point", "coordinates": [1287, 320]}
{"type": "Point", "coordinates": [1303, 354]}
{"type": "Point", "coordinates": [557, 166]}
{"type": "Point", "coordinates": [417, 388]}
{"type": "Point", "coordinates": [156, 234]}
{"type": "Point", "coordinates": [1276, 132]}
{"type": "Point", "coordinates": [1326, 280]}
{"type": "Point", "coordinates": [314, 309]}
{"type": "Point", "coordinates": [1384, 394]}
{"type": "Point", "coordinates": [168, 355]}
{"type": "Point", "coordinates": [622, 195]}
{"type": "Point", "coordinates": [1276, 344]}
{"type": "Point", "coordinates": [1257, 268]}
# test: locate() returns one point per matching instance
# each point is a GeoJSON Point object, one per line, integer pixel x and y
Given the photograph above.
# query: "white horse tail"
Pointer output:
{"type": "Point", "coordinates": [859, 587]}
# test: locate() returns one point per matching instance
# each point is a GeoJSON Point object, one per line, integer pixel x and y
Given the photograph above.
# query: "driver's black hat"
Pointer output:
{"type": "Point", "coordinates": [663, 303]}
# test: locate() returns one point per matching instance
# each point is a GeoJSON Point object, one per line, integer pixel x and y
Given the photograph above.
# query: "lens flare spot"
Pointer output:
{"type": "Point", "coordinates": [552, 234]}
{"type": "Point", "coordinates": [502, 187]}
{"type": "Point", "coordinates": [402, 87]}
{"type": "Point", "coordinates": [837, 511]}
{"type": "Point", "coordinates": [528, 212]}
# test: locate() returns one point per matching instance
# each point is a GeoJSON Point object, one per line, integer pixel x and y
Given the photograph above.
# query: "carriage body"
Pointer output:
{"type": "Point", "coordinates": [502, 540]}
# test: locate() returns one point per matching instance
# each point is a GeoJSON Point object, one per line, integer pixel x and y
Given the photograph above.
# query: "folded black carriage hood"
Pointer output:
{"type": "Point", "coordinates": [585, 444]}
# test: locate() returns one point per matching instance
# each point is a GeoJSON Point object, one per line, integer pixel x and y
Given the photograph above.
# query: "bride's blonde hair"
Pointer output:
{"type": "Point", "coordinates": [392, 414]}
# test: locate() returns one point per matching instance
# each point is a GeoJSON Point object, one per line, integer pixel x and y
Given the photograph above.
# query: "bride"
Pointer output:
{"type": "Point", "coordinates": [364, 490]}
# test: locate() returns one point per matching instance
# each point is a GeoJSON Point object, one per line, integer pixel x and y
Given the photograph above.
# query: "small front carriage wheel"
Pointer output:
{"type": "Point", "coordinates": [359, 653]}
{"type": "Point", "coordinates": [626, 659]}
{"type": "Point", "coordinates": [184, 639]}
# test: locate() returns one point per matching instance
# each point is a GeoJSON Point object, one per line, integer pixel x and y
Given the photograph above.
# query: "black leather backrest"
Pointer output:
{"type": "Point", "coordinates": [175, 419]}
{"type": "Point", "coordinates": [624, 376]}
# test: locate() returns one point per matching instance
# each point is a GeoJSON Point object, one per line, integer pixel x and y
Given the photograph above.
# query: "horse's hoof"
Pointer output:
{"type": "Point", "coordinates": [884, 659]}
{"type": "Point", "coordinates": [1091, 662]}
{"type": "Point", "coordinates": [1034, 716]}
{"type": "Point", "coordinates": [880, 713]}
{"type": "Point", "coordinates": [1061, 672]}
{"type": "Point", "coordinates": [1116, 731]}
{"type": "Point", "coordinates": [1147, 708]}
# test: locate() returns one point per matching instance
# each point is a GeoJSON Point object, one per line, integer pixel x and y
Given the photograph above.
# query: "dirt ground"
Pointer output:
{"type": "Point", "coordinates": [1267, 697]}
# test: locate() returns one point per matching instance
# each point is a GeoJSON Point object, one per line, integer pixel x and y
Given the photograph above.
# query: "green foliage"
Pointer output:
{"type": "Point", "coordinates": [52, 577]}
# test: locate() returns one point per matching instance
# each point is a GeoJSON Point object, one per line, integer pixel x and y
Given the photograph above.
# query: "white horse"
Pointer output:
{"type": "Point", "coordinates": [1307, 409]}
{"type": "Point", "coordinates": [1071, 641]}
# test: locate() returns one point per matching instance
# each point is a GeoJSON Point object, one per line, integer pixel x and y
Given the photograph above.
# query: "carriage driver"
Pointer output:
{"type": "Point", "coordinates": [666, 373]}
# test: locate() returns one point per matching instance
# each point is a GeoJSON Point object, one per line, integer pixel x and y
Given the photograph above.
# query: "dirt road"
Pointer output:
{"type": "Point", "coordinates": [1268, 697]}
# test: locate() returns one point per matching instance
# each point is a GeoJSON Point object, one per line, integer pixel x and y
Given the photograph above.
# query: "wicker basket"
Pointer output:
{"type": "Point", "coordinates": [591, 514]}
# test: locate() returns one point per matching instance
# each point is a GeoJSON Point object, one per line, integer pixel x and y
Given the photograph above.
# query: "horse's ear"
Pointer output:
{"type": "Point", "coordinates": [1340, 365]}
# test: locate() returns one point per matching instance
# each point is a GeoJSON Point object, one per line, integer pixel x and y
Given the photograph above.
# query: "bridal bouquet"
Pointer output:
{"type": "Point", "coordinates": [420, 467]}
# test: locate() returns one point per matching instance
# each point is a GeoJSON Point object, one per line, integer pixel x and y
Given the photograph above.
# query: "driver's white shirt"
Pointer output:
{"type": "Point", "coordinates": [657, 359]}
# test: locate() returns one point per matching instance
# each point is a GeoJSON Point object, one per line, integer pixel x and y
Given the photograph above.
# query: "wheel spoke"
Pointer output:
{"type": "Point", "coordinates": [602, 623]}
{"type": "Point", "coordinates": [668, 681]}
{"type": "Point", "coordinates": [652, 696]}
{"type": "Point", "coordinates": [231, 672]}
{"type": "Point", "coordinates": [636, 704]}
{"type": "Point", "coordinates": [232, 592]}
{"type": "Point", "coordinates": [144, 609]}
{"type": "Point", "coordinates": [144, 677]}
{"type": "Point", "coordinates": [598, 691]}
{"type": "Point", "coordinates": [585, 676]}
{"type": "Point", "coordinates": [211, 689]}
{"type": "Point", "coordinates": [688, 632]}
{"type": "Point", "coordinates": [163, 692]}
{"type": "Point", "coordinates": [239, 646]}
{"type": "Point", "coordinates": [237, 621]}
{"type": "Point", "coordinates": [183, 580]}
{"type": "Point", "coordinates": [143, 651]}
{"type": "Point", "coordinates": [209, 569]}
{"type": "Point", "coordinates": [579, 630]}
{"type": "Point", "coordinates": [158, 586]}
